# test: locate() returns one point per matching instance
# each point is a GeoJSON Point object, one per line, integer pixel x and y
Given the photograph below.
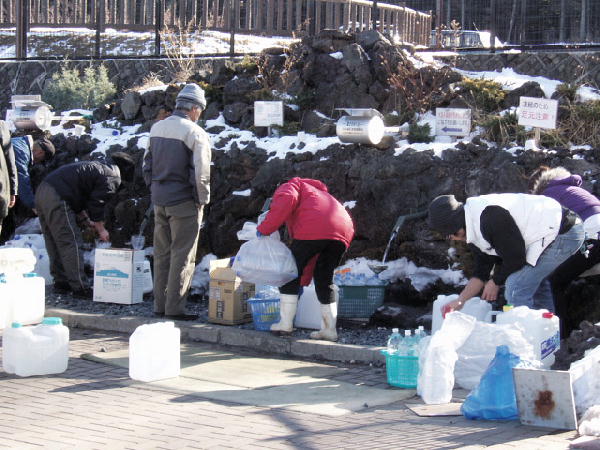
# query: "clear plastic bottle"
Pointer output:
{"type": "Point", "coordinates": [409, 347]}
{"type": "Point", "coordinates": [394, 342]}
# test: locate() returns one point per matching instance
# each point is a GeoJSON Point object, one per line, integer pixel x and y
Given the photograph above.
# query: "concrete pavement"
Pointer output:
{"type": "Point", "coordinates": [97, 406]}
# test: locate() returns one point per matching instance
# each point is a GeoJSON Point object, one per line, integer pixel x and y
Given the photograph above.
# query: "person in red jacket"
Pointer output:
{"type": "Point", "coordinates": [321, 230]}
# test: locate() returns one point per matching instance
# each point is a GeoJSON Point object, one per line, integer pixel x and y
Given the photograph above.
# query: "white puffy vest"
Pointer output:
{"type": "Point", "coordinates": [538, 218]}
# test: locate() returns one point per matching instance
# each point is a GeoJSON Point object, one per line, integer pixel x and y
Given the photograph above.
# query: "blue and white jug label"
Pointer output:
{"type": "Point", "coordinates": [550, 345]}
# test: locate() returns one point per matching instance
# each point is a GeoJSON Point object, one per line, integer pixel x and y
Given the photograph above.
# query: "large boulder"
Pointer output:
{"type": "Point", "coordinates": [131, 104]}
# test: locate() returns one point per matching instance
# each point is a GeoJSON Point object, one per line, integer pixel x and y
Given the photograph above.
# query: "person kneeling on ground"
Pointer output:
{"type": "Point", "coordinates": [565, 188]}
{"type": "Point", "coordinates": [522, 237]}
{"type": "Point", "coordinates": [321, 230]}
{"type": "Point", "coordinates": [81, 188]}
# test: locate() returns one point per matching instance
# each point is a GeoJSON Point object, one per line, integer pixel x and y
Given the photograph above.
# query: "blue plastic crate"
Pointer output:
{"type": "Point", "coordinates": [359, 301]}
{"type": "Point", "coordinates": [402, 371]}
{"type": "Point", "coordinates": [265, 312]}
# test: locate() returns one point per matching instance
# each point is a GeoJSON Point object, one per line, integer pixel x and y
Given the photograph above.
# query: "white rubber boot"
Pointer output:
{"type": "Point", "coordinates": [328, 332]}
{"type": "Point", "coordinates": [287, 312]}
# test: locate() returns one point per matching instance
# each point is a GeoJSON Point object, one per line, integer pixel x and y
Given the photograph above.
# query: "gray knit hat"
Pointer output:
{"type": "Point", "coordinates": [192, 93]}
{"type": "Point", "coordinates": [446, 214]}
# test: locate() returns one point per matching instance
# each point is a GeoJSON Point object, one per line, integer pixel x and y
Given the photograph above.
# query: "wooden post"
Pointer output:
{"type": "Point", "coordinates": [375, 14]}
{"type": "Point", "coordinates": [537, 135]}
{"type": "Point", "coordinates": [493, 26]}
{"type": "Point", "coordinates": [233, 21]}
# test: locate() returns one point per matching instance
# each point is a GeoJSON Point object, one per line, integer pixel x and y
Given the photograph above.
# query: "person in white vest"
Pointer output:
{"type": "Point", "coordinates": [517, 239]}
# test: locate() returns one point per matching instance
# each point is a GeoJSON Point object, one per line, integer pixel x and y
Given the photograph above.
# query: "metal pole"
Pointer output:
{"type": "Point", "coordinates": [232, 26]}
{"type": "Point", "coordinates": [493, 26]}
{"type": "Point", "coordinates": [523, 35]}
{"type": "Point", "coordinates": [375, 15]}
{"type": "Point", "coordinates": [100, 23]}
{"type": "Point", "coordinates": [158, 26]}
{"type": "Point", "coordinates": [22, 24]}
{"type": "Point", "coordinates": [463, 16]}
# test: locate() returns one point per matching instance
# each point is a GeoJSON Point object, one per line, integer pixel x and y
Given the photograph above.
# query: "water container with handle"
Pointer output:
{"type": "Point", "coordinates": [436, 312]}
{"type": "Point", "coordinates": [154, 352]}
{"type": "Point", "coordinates": [39, 350]}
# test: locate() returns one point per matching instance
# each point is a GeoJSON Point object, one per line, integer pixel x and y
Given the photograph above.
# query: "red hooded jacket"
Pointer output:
{"type": "Point", "coordinates": [309, 212]}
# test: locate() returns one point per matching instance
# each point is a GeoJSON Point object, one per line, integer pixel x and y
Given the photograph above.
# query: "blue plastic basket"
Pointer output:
{"type": "Point", "coordinates": [402, 371]}
{"type": "Point", "coordinates": [265, 312]}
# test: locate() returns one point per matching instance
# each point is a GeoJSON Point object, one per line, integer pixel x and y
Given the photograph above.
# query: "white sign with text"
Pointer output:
{"type": "Point", "coordinates": [537, 112]}
{"type": "Point", "coordinates": [267, 114]}
{"type": "Point", "coordinates": [452, 121]}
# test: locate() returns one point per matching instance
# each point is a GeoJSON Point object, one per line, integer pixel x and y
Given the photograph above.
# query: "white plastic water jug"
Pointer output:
{"type": "Point", "coordinates": [16, 260]}
{"type": "Point", "coordinates": [308, 314]}
{"type": "Point", "coordinates": [477, 308]}
{"type": "Point", "coordinates": [540, 327]}
{"type": "Point", "coordinates": [42, 266]}
{"type": "Point", "coordinates": [154, 352]}
{"type": "Point", "coordinates": [39, 350]}
{"type": "Point", "coordinates": [22, 299]}
{"type": "Point", "coordinates": [436, 312]}
{"type": "Point", "coordinates": [147, 271]}
{"type": "Point", "coordinates": [28, 304]}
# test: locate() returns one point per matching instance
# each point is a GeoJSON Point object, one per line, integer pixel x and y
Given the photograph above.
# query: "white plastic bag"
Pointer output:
{"type": "Point", "coordinates": [478, 351]}
{"type": "Point", "coordinates": [265, 260]}
{"type": "Point", "coordinates": [248, 232]}
{"type": "Point", "coordinates": [436, 363]}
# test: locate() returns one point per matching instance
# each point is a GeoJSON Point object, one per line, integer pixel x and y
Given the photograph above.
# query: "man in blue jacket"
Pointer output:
{"type": "Point", "coordinates": [27, 153]}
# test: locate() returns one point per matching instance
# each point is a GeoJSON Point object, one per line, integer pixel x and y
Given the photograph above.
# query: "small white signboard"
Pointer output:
{"type": "Point", "coordinates": [267, 114]}
{"type": "Point", "coordinates": [537, 112]}
{"type": "Point", "coordinates": [452, 121]}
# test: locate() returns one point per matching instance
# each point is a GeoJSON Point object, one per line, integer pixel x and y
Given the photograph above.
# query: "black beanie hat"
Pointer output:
{"type": "Point", "coordinates": [47, 146]}
{"type": "Point", "coordinates": [446, 214]}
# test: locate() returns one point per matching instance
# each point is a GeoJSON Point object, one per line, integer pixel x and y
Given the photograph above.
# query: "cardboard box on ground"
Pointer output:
{"type": "Point", "coordinates": [119, 276]}
{"type": "Point", "coordinates": [228, 295]}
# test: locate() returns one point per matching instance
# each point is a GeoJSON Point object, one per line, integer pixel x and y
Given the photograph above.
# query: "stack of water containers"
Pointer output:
{"type": "Point", "coordinates": [22, 292]}
{"type": "Point", "coordinates": [402, 357]}
{"type": "Point", "coordinates": [39, 350]}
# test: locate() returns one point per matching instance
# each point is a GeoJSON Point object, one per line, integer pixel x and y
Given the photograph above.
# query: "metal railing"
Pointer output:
{"type": "Point", "coordinates": [89, 20]}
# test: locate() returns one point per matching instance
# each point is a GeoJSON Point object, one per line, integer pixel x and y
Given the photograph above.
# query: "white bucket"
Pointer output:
{"type": "Point", "coordinates": [308, 314]}
{"type": "Point", "coordinates": [39, 350]}
{"type": "Point", "coordinates": [154, 352]}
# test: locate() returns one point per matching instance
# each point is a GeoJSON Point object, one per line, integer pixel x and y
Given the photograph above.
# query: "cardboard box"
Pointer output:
{"type": "Point", "coordinates": [228, 295]}
{"type": "Point", "coordinates": [118, 276]}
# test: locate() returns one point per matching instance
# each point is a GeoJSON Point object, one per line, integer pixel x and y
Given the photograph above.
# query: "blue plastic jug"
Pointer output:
{"type": "Point", "coordinates": [494, 398]}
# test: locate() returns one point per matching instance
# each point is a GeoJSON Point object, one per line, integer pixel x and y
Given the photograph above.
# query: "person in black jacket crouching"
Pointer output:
{"type": "Point", "coordinates": [518, 240]}
{"type": "Point", "coordinates": [78, 189]}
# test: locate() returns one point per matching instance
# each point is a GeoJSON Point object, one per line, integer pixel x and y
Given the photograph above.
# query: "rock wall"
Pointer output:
{"type": "Point", "coordinates": [575, 67]}
{"type": "Point", "coordinates": [29, 77]}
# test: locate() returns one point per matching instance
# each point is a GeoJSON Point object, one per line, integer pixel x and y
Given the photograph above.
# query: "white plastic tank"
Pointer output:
{"type": "Point", "coordinates": [17, 260]}
{"type": "Point", "coordinates": [540, 327]}
{"type": "Point", "coordinates": [154, 352]}
{"type": "Point", "coordinates": [477, 308]}
{"type": "Point", "coordinates": [147, 271]}
{"type": "Point", "coordinates": [436, 311]}
{"type": "Point", "coordinates": [39, 350]}
{"type": "Point", "coordinates": [22, 299]}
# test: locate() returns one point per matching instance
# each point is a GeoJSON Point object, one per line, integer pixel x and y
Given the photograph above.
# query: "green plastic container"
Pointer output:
{"type": "Point", "coordinates": [359, 301]}
{"type": "Point", "coordinates": [402, 371]}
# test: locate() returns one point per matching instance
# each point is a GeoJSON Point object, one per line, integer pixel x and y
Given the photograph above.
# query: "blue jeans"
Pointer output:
{"type": "Point", "coordinates": [528, 286]}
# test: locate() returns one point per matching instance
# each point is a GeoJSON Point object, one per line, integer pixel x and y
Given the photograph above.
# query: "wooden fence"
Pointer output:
{"type": "Point", "coordinates": [268, 17]}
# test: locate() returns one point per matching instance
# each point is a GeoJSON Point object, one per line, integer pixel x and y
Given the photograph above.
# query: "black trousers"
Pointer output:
{"type": "Point", "coordinates": [562, 277]}
{"type": "Point", "coordinates": [330, 254]}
